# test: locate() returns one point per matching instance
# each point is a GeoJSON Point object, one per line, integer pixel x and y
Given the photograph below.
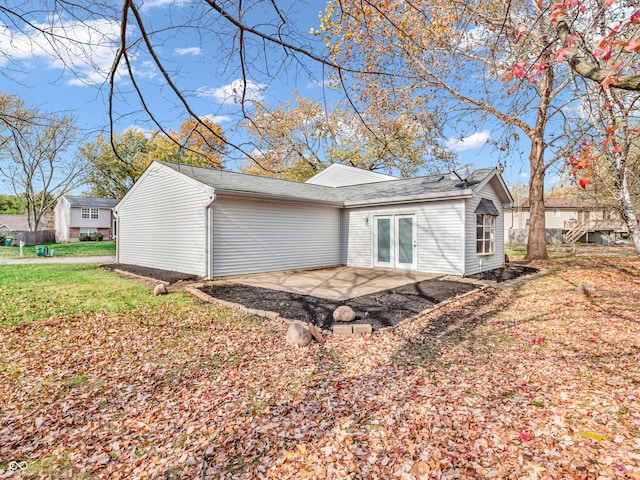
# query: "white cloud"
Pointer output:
{"type": "Point", "coordinates": [233, 92]}
{"type": "Point", "coordinates": [189, 51]}
{"type": "Point", "coordinates": [474, 140]}
{"type": "Point", "coordinates": [217, 118]}
{"type": "Point", "coordinates": [523, 175]}
{"type": "Point", "coordinates": [149, 4]}
{"type": "Point", "coordinates": [87, 48]}
{"type": "Point", "coordinates": [473, 37]}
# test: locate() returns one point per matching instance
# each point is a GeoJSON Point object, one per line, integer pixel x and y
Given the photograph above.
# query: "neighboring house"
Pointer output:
{"type": "Point", "coordinates": [215, 223]}
{"type": "Point", "coordinates": [567, 220]}
{"type": "Point", "coordinates": [75, 216]}
{"type": "Point", "coordinates": [13, 223]}
{"type": "Point", "coordinates": [17, 227]}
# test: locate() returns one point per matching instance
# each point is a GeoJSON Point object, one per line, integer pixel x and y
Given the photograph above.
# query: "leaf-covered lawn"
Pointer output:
{"type": "Point", "coordinates": [541, 381]}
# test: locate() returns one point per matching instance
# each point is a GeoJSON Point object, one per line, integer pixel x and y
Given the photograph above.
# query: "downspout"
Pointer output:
{"type": "Point", "coordinates": [115, 214]}
{"type": "Point", "coordinates": [208, 254]}
{"type": "Point", "coordinates": [464, 237]}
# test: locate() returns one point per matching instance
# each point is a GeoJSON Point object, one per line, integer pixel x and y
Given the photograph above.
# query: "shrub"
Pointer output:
{"type": "Point", "coordinates": [91, 237]}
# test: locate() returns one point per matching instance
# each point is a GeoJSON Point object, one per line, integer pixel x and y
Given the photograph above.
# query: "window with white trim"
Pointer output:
{"type": "Point", "coordinates": [485, 234]}
{"type": "Point", "coordinates": [90, 213]}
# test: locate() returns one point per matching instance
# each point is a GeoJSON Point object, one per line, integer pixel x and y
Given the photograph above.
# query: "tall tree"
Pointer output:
{"type": "Point", "coordinates": [471, 56]}
{"type": "Point", "coordinates": [114, 165]}
{"type": "Point", "coordinates": [299, 138]}
{"type": "Point", "coordinates": [110, 175]}
{"type": "Point", "coordinates": [201, 143]}
{"type": "Point", "coordinates": [12, 204]}
{"type": "Point", "coordinates": [34, 158]}
{"type": "Point", "coordinates": [601, 43]}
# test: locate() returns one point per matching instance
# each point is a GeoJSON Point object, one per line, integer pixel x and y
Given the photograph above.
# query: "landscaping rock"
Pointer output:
{"type": "Point", "coordinates": [298, 336]}
{"type": "Point", "coordinates": [345, 330]}
{"type": "Point", "coordinates": [344, 313]}
{"type": "Point", "coordinates": [315, 333]}
{"type": "Point", "coordinates": [160, 289]}
{"type": "Point", "coordinates": [588, 290]}
{"type": "Point", "coordinates": [362, 328]}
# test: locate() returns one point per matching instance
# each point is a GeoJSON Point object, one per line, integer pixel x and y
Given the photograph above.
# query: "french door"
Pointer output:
{"type": "Point", "coordinates": [394, 241]}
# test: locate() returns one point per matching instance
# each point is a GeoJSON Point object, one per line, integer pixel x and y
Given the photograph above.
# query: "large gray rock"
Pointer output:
{"type": "Point", "coordinates": [298, 336]}
{"type": "Point", "coordinates": [344, 313]}
{"type": "Point", "coordinates": [160, 289]}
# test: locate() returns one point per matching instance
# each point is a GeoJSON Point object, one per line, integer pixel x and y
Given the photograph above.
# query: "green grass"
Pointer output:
{"type": "Point", "coordinates": [32, 292]}
{"type": "Point", "coordinates": [78, 249]}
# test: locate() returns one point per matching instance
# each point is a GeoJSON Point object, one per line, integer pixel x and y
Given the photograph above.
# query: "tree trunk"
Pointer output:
{"type": "Point", "coordinates": [537, 241]}
{"type": "Point", "coordinates": [629, 214]}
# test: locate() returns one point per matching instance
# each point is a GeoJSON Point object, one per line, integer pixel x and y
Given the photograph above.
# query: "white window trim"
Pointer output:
{"type": "Point", "coordinates": [89, 213]}
{"type": "Point", "coordinates": [488, 223]}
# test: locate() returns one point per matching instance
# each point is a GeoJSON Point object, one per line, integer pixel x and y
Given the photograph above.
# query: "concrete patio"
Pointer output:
{"type": "Point", "coordinates": [338, 283]}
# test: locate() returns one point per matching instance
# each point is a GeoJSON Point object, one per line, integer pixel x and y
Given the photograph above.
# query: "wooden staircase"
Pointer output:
{"type": "Point", "coordinates": [573, 235]}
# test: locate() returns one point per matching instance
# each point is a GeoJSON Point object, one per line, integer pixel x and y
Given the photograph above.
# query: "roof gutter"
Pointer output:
{"type": "Point", "coordinates": [240, 193]}
{"type": "Point", "coordinates": [467, 193]}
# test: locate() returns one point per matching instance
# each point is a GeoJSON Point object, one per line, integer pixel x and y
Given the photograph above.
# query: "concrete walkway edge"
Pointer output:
{"type": "Point", "coordinates": [57, 260]}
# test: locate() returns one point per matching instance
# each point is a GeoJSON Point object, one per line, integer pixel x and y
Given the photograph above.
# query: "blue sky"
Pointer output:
{"type": "Point", "coordinates": [77, 86]}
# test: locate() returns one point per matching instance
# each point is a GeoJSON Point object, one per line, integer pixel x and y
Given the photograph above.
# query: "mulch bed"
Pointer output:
{"type": "Point", "coordinates": [382, 309]}
{"type": "Point", "coordinates": [503, 274]}
{"type": "Point", "coordinates": [154, 273]}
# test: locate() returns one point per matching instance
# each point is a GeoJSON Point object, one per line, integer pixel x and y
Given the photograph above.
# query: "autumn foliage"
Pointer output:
{"type": "Point", "coordinates": [539, 381]}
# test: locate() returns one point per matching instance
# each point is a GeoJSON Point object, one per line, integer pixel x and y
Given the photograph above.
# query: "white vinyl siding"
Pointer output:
{"type": "Point", "coordinates": [97, 217]}
{"type": "Point", "coordinates": [439, 235]}
{"type": "Point", "coordinates": [474, 261]}
{"type": "Point", "coordinates": [251, 236]}
{"type": "Point", "coordinates": [338, 175]}
{"type": "Point", "coordinates": [62, 220]}
{"type": "Point", "coordinates": [161, 224]}
{"type": "Point", "coordinates": [89, 213]}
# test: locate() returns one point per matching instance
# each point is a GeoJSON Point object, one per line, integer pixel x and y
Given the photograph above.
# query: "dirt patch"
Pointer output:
{"type": "Point", "coordinates": [154, 273]}
{"type": "Point", "coordinates": [502, 274]}
{"type": "Point", "coordinates": [382, 309]}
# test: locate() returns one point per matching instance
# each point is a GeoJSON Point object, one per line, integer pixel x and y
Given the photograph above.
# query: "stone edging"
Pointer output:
{"type": "Point", "coordinates": [195, 291]}
{"type": "Point", "coordinates": [433, 308]}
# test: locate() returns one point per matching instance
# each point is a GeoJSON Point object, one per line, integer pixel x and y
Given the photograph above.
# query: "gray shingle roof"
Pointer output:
{"type": "Point", "coordinates": [15, 223]}
{"type": "Point", "coordinates": [233, 182]}
{"type": "Point", "coordinates": [430, 187]}
{"type": "Point", "coordinates": [391, 191]}
{"type": "Point", "coordinates": [90, 202]}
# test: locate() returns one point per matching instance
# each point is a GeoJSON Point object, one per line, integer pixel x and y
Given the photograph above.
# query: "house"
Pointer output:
{"type": "Point", "coordinates": [567, 220]}
{"type": "Point", "coordinates": [16, 227]}
{"type": "Point", "coordinates": [76, 216]}
{"type": "Point", "coordinates": [216, 223]}
{"type": "Point", "coordinates": [10, 223]}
